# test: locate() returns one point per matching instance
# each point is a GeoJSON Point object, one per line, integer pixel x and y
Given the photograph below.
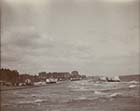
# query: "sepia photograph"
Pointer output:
{"type": "Point", "coordinates": [70, 55]}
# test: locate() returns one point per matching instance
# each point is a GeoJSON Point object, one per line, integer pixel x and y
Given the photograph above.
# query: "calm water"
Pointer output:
{"type": "Point", "coordinates": [82, 95]}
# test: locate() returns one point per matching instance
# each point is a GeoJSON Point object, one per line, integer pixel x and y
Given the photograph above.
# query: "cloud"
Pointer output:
{"type": "Point", "coordinates": [119, 1]}
{"type": "Point", "coordinates": [67, 35]}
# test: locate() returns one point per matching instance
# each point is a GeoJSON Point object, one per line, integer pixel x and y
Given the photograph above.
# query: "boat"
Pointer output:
{"type": "Point", "coordinates": [51, 80]}
{"type": "Point", "coordinates": [113, 79]}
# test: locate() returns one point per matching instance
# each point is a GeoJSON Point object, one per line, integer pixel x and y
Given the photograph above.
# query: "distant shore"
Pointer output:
{"type": "Point", "coordinates": [7, 88]}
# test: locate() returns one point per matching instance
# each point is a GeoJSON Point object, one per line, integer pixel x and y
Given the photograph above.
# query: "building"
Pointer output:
{"type": "Point", "coordinates": [59, 75]}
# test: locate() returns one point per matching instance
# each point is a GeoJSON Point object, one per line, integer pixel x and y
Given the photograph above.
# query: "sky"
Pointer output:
{"type": "Point", "coordinates": [94, 37]}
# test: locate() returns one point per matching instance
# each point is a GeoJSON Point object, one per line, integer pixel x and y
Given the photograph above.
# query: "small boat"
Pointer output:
{"type": "Point", "coordinates": [113, 79]}
{"type": "Point", "coordinates": [109, 79]}
{"type": "Point", "coordinates": [75, 79]}
{"type": "Point", "coordinates": [51, 80]}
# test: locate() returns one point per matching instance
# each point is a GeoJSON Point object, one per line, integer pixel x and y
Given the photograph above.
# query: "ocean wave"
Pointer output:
{"type": "Point", "coordinates": [99, 93]}
{"type": "Point", "coordinates": [33, 95]}
{"type": "Point", "coordinates": [132, 86]}
{"type": "Point", "coordinates": [25, 102]}
{"type": "Point", "coordinates": [39, 101]}
{"type": "Point", "coordinates": [82, 98]}
{"type": "Point", "coordinates": [115, 95]}
{"type": "Point", "coordinates": [134, 82]}
{"type": "Point", "coordinates": [31, 101]}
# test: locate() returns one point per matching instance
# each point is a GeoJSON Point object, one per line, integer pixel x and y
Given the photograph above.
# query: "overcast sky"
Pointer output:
{"type": "Point", "coordinates": [94, 37]}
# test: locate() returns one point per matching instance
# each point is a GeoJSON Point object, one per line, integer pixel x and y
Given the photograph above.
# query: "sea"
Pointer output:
{"type": "Point", "coordinates": [83, 95]}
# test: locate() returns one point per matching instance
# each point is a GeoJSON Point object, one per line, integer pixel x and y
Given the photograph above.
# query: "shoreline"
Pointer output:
{"type": "Point", "coordinates": [7, 88]}
{"type": "Point", "coordinates": [21, 87]}
{"type": "Point", "coordinates": [17, 87]}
